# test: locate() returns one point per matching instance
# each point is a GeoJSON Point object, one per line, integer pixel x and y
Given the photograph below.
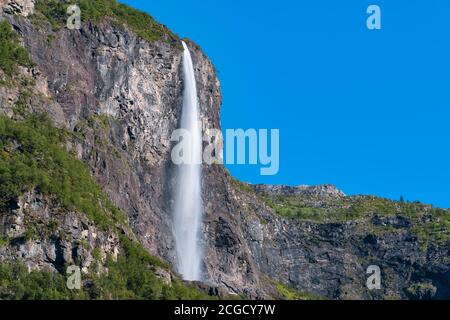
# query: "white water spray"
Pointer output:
{"type": "Point", "coordinates": [188, 203]}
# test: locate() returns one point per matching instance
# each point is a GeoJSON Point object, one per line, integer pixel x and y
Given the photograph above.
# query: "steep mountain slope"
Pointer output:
{"type": "Point", "coordinates": [324, 241]}
{"type": "Point", "coordinates": [114, 88]}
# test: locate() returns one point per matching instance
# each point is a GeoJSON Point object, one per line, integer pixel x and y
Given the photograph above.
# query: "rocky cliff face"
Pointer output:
{"type": "Point", "coordinates": [104, 71]}
{"type": "Point", "coordinates": [71, 235]}
{"type": "Point", "coordinates": [330, 257]}
{"type": "Point", "coordinates": [122, 95]}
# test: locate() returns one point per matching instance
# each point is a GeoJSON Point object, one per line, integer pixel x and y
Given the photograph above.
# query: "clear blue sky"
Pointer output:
{"type": "Point", "coordinates": [365, 110]}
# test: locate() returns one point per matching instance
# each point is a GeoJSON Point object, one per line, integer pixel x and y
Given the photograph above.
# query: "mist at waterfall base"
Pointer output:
{"type": "Point", "coordinates": [187, 214]}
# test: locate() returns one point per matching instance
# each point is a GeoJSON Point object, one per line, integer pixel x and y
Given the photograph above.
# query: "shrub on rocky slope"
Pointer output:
{"type": "Point", "coordinates": [141, 23]}
{"type": "Point", "coordinates": [12, 54]}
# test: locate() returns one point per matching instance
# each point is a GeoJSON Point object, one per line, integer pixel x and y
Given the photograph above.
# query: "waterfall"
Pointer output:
{"type": "Point", "coordinates": [187, 215]}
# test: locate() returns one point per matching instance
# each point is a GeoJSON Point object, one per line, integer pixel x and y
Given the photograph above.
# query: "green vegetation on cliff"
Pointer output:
{"type": "Point", "coordinates": [97, 10]}
{"type": "Point", "coordinates": [33, 157]}
{"type": "Point", "coordinates": [16, 283]}
{"type": "Point", "coordinates": [428, 223]}
{"type": "Point", "coordinates": [132, 276]}
{"type": "Point", "coordinates": [12, 55]}
{"type": "Point", "coordinates": [421, 290]}
{"type": "Point", "coordinates": [292, 294]}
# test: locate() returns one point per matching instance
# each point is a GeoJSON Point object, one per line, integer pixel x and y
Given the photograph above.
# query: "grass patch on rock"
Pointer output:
{"type": "Point", "coordinates": [292, 294]}
{"type": "Point", "coordinates": [96, 11]}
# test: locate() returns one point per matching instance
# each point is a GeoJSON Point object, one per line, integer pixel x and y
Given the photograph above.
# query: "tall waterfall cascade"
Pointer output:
{"type": "Point", "coordinates": [187, 215]}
